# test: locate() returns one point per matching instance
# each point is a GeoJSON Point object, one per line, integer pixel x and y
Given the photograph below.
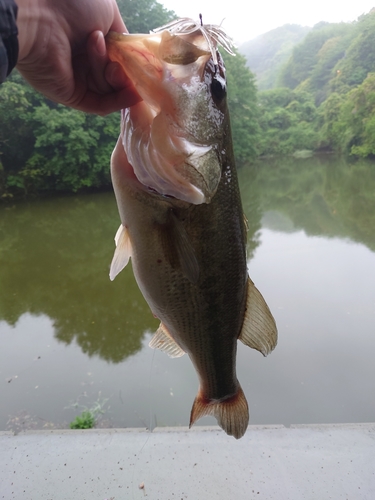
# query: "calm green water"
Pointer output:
{"type": "Point", "coordinates": [70, 338]}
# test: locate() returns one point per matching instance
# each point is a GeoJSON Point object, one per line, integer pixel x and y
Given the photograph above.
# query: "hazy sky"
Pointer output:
{"type": "Point", "coordinates": [246, 20]}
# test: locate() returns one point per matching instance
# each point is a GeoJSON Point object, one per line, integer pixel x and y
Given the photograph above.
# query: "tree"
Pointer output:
{"type": "Point", "coordinates": [359, 58]}
{"type": "Point", "coordinates": [356, 120]}
{"type": "Point", "coordinates": [141, 16]}
{"type": "Point", "coordinates": [288, 121]}
{"type": "Point", "coordinates": [14, 130]}
{"type": "Point", "coordinates": [45, 146]}
{"type": "Point", "coordinates": [242, 104]}
{"type": "Point", "coordinates": [329, 111]}
{"type": "Point", "coordinates": [72, 149]}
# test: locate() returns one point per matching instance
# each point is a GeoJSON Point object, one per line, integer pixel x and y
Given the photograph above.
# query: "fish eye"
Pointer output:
{"type": "Point", "coordinates": [218, 88]}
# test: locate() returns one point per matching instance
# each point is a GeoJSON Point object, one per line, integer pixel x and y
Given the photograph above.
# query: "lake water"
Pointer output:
{"type": "Point", "coordinates": [70, 338]}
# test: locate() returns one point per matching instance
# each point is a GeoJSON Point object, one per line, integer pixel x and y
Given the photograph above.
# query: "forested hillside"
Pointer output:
{"type": "Point", "coordinates": [323, 97]}
{"type": "Point", "coordinates": [266, 53]}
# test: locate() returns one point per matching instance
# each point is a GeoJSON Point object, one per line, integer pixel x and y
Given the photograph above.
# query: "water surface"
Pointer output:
{"type": "Point", "coordinates": [70, 338]}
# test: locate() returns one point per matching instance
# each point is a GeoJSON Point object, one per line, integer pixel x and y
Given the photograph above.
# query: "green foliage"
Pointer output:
{"type": "Point", "coordinates": [355, 125]}
{"type": "Point", "coordinates": [16, 134]}
{"type": "Point", "coordinates": [359, 57]}
{"type": "Point", "coordinates": [71, 149]}
{"type": "Point", "coordinates": [287, 120]}
{"type": "Point", "coordinates": [47, 147]}
{"type": "Point", "coordinates": [242, 104]}
{"type": "Point", "coordinates": [141, 16]}
{"type": "Point", "coordinates": [89, 416]}
{"type": "Point", "coordinates": [332, 51]}
{"type": "Point", "coordinates": [84, 421]}
{"type": "Point", "coordinates": [329, 132]}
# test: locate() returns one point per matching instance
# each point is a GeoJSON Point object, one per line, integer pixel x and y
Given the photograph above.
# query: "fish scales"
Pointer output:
{"type": "Point", "coordinates": [182, 222]}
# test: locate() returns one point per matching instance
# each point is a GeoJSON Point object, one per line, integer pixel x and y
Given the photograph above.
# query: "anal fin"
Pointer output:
{"type": "Point", "coordinates": [162, 340]}
{"type": "Point", "coordinates": [232, 414]}
{"type": "Point", "coordinates": [122, 252]}
{"type": "Point", "coordinates": [259, 329]}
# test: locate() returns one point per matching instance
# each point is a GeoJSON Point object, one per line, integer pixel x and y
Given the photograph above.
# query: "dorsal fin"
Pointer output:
{"type": "Point", "coordinates": [163, 340]}
{"type": "Point", "coordinates": [122, 252]}
{"type": "Point", "coordinates": [259, 328]}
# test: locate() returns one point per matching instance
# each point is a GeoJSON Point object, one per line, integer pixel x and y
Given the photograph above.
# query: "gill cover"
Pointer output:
{"type": "Point", "coordinates": [173, 138]}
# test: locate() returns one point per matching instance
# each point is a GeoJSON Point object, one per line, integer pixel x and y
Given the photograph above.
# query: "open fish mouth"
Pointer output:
{"type": "Point", "coordinates": [173, 138]}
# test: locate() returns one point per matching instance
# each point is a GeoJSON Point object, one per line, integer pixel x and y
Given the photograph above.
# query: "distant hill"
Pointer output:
{"type": "Point", "coordinates": [312, 63]}
{"type": "Point", "coordinates": [332, 58]}
{"type": "Point", "coordinates": [266, 54]}
{"type": "Point", "coordinates": [318, 93]}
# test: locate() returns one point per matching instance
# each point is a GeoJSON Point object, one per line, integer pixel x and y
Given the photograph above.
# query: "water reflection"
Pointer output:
{"type": "Point", "coordinates": [323, 195]}
{"type": "Point", "coordinates": [54, 260]}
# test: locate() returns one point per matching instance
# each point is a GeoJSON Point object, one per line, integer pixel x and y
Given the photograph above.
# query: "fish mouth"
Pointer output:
{"type": "Point", "coordinates": [172, 137]}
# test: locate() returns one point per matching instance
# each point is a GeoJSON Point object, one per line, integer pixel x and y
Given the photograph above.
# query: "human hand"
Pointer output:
{"type": "Point", "coordinates": [62, 53]}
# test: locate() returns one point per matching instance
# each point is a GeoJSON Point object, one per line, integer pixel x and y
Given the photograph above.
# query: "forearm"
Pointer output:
{"type": "Point", "coordinates": [20, 22]}
{"type": "Point", "coordinates": [8, 37]}
{"type": "Point", "coordinates": [32, 15]}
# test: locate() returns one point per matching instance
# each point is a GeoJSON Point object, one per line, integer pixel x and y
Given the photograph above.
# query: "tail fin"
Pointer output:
{"type": "Point", "coordinates": [232, 414]}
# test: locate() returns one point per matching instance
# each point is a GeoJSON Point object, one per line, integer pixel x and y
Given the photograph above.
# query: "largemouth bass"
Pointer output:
{"type": "Point", "coordinates": [182, 222]}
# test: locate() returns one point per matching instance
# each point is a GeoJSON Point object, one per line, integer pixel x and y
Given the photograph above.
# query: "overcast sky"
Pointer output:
{"type": "Point", "coordinates": [244, 20]}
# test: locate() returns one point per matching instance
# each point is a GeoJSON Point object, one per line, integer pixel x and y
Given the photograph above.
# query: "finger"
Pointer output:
{"type": "Point", "coordinates": [121, 93]}
{"type": "Point", "coordinates": [108, 103]}
{"type": "Point", "coordinates": [98, 60]}
{"type": "Point", "coordinates": [116, 77]}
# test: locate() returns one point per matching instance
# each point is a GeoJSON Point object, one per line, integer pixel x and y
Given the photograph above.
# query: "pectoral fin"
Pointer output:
{"type": "Point", "coordinates": [122, 252]}
{"type": "Point", "coordinates": [259, 328]}
{"type": "Point", "coordinates": [185, 251]}
{"type": "Point", "coordinates": [162, 340]}
{"type": "Point", "coordinates": [178, 248]}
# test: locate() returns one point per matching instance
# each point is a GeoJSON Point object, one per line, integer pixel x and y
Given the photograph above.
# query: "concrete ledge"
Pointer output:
{"type": "Point", "coordinates": [314, 462]}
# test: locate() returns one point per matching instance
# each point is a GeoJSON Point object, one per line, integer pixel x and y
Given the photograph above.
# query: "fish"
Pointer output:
{"type": "Point", "coordinates": [182, 222]}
